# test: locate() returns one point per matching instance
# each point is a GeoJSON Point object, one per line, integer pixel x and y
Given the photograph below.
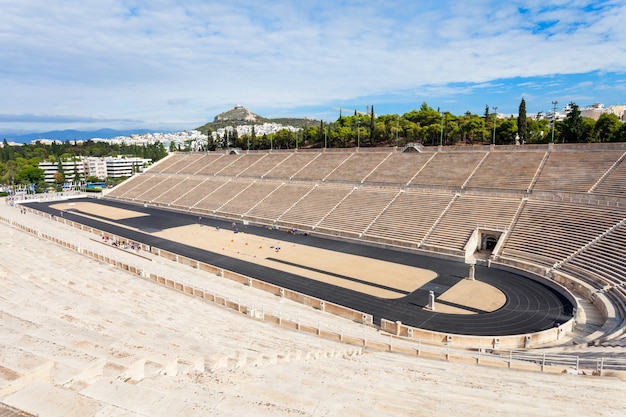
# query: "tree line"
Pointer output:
{"type": "Point", "coordinates": [20, 164]}
{"type": "Point", "coordinates": [433, 127]}
{"type": "Point", "coordinates": [426, 125]}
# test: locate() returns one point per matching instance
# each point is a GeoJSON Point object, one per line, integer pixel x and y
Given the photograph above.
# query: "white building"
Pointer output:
{"type": "Point", "coordinates": [124, 166]}
{"type": "Point", "coordinates": [72, 170]}
{"type": "Point", "coordinates": [95, 167]}
{"type": "Point", "coordinates": [594, 111]}
{"type": "Point", "coordinates": [619, 110]}
{"type": "Point", "coordinates": [81, 168]}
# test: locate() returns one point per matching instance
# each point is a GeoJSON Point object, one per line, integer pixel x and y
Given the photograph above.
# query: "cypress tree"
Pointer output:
{"type": "Point", "coordinates": [522, 125]}
{"type": "Point", "coordinates": [372, 128]}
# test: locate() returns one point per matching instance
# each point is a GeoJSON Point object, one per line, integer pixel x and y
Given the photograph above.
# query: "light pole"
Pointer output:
{"type": "Point", "coordinates": [554, 103]}
{"type": "Point", "coordinates": [358, 133]}
{"type": "Point", "coordinates": [495, 121]}
{"type": "Point", "coordinates": [397, 128]}
{"type": "Point", "coordinates": [441, 131]}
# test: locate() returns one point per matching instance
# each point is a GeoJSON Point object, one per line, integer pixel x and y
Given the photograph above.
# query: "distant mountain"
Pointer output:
{"type": "Point", "coordinates": [64, 135]}
{"type": "Point", "coordinates": [240, 115]}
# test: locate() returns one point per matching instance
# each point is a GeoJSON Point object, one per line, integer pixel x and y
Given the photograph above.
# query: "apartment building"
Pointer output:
{"type": "Point", "coordinates": [81, 168]}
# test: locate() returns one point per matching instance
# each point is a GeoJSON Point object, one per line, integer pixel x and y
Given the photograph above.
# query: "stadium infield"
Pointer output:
{"type": "Point", "coordinates": [385, 283]}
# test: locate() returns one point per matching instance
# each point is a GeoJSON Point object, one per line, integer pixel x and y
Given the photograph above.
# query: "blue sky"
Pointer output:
{"type": "Point", "coordinates": [174, 65]}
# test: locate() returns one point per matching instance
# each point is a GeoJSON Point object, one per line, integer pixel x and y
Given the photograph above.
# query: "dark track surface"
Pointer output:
{"type": "Point", "coordinates": [530, 306]}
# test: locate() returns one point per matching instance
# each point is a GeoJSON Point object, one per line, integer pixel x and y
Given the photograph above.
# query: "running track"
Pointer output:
{"type": "Point", "coordinates": [530, 306]}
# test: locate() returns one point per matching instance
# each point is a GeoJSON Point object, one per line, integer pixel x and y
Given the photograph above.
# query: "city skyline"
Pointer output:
{"type": "Point", "coordinates": [163, 65]}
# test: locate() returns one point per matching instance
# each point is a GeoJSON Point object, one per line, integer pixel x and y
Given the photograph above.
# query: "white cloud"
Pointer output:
{"type": "Point", "coordinates": [163, 61]}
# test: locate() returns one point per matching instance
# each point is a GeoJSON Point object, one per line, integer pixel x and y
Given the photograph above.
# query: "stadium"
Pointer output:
{"type": "Point", "coordinates": [372, 259]}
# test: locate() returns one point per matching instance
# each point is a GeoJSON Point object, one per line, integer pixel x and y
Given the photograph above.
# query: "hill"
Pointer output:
{"type": "Point", "coordinates": [239, 116]}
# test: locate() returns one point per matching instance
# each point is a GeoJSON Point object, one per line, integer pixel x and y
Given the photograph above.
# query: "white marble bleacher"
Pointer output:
{"type": "Point", "coordinates": [282, 199]}
{"type": "Point", "coordinates": [151, 181]}
{"type": "Point", "coordinates": [166, 184]}
{"type": "Point", "coordinates": [357, 167]}
{"type": "Point", "coordinates": [216, 192]}
{"type": "Point", "coordinates": [245, 161]}
{"type": "Point", "coordinates": [547, 232]}
{"type": "Point", "coordinates": [467, 213]}
{"type": "Point", "coordinates": [172, 327]}
{"type": "Point", "coordinates": [507, 170]}
{"type": "Point", "coordinates": [247, 199]}
{"type": "Point", "coordinates": [198, 188]}
{"type": "Point", "coordinates": [308, 211]}
{"type": "Point", "coordinates": [65, 320]}
{"type": "Point", "coordinates": [408, 218]}
{"type": "Point", "coordinates": [184, 185]}
{"type": "Point", "coordinates": [324, 164]}
{"type": "Point", "coordinates": [614, 184]}
{"type": "Point", "coordinates": [574, 170]}
{"type": "Point", "coordinates": [134, 182]}
{"type": "Point", "coordinates": [182, 165]}
{"type": "Point", "coordinates": [294, 162]}
{"type": "Point", "coordinates": [218, 164]}
{"type": "Point", "coordinates": [204, 160]}
{"type": "Point", "coordinates": [264, 165]}
{"type": "Point", "coordinates": [605, 259]}
{"type": "Point", "coordinates": [83, 344]}
{"type": "Point", "coordinates": [398, 169]}
{"type": "Point", "coordinates": [448, 169]}
{"type": "Point", "coordinates": [169, 161]}
{"type": "Point", "coordinates": [352, 216]}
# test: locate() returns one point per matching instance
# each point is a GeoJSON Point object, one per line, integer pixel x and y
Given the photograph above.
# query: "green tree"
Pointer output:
{"type": "Point", "coordinates": [59, 177]}
{"type": "Point", "coordinates": [573, 129]}
{"type": "Point", "coordinates": [432, 133]}
{"type": "Point", "coordinates": [506, 131]}
{"type": "Point", "coordinates": [538, 131]}
{"type": "Point", "coordinates": [29, 175]}
{"type": "Point", "coordinates": [522, 125]}
{"type": "Point", "coordinates": [588, 128]}
{"type": "Point", "coordinates": [3, 172]}
{"type": "Point", "coordinates": [341, 136]}
{"type": "Point", "coordinates": [472, 128]}
{"type": "Point", "coordinates": [7, 153]}
{"type": "Point", "coordinates": [606, 128]}
{"type": "Point", "coordinates": [488, 123]}
{"type": "Point", "coordinates": [425, 116]}
{"type": "Point", "coordinates": [77, 175]}
{"type": "Point", "coordinates": [372, 128]}
{"type": "Point", "coordinates": [11, 172]}
{"type": "Point", "coordinates": [284, 139]}
{"type": "Point", "coordinates": [620, 134]}
{"type": "Point", "coordinates": [234, 139]}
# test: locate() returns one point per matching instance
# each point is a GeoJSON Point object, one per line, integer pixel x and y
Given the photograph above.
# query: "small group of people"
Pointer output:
{"type": "Point", "coordinates": [122, 244]}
